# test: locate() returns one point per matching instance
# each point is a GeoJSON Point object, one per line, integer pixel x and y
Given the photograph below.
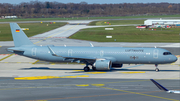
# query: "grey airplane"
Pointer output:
{"type": "Point", "coordinates": [99, 58]}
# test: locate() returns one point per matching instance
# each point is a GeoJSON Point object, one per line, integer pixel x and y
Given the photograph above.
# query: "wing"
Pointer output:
{"type": "Point", "coordinates": [87, 59]}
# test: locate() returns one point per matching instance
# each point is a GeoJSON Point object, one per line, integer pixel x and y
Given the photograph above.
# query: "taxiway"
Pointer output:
{"type": "Point", "coordinates": [25, 79]}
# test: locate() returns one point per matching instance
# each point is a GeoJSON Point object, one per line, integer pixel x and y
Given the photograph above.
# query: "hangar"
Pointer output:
{"type": "Point", "coordinates": [162, 22]}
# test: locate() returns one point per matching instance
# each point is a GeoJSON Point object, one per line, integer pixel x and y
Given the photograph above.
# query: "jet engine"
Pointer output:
{"type": "Point", "coordinates": [117, 65]}
{"type": "Point", "coordinates": [102, 65]}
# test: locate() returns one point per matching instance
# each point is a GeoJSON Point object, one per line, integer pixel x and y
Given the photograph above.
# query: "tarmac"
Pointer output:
{"type": "Point", "coordinates": [25, 79]}
{"type": "Point", "coordinates": [76, 89]}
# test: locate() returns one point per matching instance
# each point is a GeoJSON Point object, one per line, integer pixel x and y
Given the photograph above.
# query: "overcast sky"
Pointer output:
{"type": "Point", "coordinates": [94, 1]}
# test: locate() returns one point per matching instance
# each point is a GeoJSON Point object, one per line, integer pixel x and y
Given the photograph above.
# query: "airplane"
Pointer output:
{"type": "Point", "coordinates": [163, 88]}
{"type": "Point", "coordinates": [100, 58]}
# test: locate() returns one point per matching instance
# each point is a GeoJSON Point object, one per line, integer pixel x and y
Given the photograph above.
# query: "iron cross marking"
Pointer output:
{"type": "Point", "coordinates": [134, 57]}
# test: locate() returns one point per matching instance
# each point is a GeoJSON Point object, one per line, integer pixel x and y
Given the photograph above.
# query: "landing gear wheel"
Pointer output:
{"type": "Point", "coordinates": [86, 69]}
{"type": "Point", "coordinates": [157, 70]}
{"type": "Point", "coordinates": [94, 68]}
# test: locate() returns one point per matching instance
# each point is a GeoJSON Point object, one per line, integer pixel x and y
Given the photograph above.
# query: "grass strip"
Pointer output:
{"type": "Point", "coordinates": [34, 29]}
{"type": "Point", "coordinates": [128, 34]}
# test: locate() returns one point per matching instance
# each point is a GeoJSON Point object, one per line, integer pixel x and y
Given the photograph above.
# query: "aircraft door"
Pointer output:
{"type": "Point", "coordinates": [70, 52]}
{"type": "Point", "coordinates": [155, 53]}
{"type": "Point", "coordinates": [34, 51]}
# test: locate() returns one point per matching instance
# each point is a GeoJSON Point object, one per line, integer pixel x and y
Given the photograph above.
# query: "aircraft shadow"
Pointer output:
{"type": "Point", "coordinates": [144, 70]}
{"type": "Point", "coordinates": [47, 68]}
{"type": "Point", "coordinates": [112, 70]}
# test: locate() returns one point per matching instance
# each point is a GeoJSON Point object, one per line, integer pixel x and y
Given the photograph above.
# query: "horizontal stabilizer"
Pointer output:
{"type": "Point", "coordinates": [15, 49]}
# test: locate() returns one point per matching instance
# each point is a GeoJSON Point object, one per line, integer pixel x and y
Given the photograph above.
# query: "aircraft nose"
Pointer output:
{"type": "Point", "coordinates": [174, 58]}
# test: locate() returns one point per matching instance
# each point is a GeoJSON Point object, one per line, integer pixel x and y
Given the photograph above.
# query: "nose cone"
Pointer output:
{"type": "Point", "coordinates": [174, 59]}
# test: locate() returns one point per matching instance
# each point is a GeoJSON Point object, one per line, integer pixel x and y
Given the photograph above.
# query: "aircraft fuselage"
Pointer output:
{"type": "Point", "coordinates": [121, 55]}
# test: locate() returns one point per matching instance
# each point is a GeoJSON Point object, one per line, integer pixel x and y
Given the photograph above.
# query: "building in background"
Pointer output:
{"type": "Point", "coordinates": [165, 23]}
{"type": "Point", "coordinates": [162, 22]}
{"type": "Point", "coordinates": [9, 17]}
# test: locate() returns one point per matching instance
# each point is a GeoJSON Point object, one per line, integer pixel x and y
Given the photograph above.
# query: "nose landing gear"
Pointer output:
{"type": "Point", "coordinates": [157, 69]}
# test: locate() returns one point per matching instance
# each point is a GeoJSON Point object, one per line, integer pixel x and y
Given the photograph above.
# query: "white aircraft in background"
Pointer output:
{"type": "Point", "coordinates": [163, 88]}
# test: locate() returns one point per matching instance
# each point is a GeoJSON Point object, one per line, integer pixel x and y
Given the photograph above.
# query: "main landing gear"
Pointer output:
{"type": "Point", "coordinates": [157, 69]}
{"type": "Point", "coordinates": [94, 68]}
{"type": "Point", "coordinates": [86, 69]}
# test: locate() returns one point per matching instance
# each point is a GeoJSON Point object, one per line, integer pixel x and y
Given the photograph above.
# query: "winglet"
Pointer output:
{"type": "Point", "coordinates": [159, 86]}
{"type": "Point", "coordinates": [51, 51]}
{"type": "Point", "coordinates": [91, 44]}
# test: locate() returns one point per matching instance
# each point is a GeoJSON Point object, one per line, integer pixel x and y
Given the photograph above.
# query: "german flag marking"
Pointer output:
{"type": "Point", "coordinates": [17, 30]}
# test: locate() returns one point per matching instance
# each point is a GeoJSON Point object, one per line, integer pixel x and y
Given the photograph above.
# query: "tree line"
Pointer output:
{"type": "Point", "coordinates": [37, 9]}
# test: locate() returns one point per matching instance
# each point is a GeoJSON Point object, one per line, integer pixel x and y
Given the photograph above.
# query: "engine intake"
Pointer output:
{"type": "Point", "coordinates": [102, 64]}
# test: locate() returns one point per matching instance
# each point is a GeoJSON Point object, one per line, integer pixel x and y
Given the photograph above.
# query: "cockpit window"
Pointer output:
{"type": "Point", "coordinates": [166, 53]}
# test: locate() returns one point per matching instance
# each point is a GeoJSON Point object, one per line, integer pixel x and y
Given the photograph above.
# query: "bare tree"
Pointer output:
{"type": "Point", "coordinates": [83, 9]}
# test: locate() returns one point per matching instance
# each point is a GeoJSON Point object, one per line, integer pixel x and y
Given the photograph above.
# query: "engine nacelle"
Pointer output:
{"type": "Point", "coordinates": [102, 64]}
{"type": "Point", "coordinates": [117, 65]}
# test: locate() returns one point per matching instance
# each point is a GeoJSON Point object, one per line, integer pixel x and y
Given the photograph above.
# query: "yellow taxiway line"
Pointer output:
{"type": "Point", "coordinates": [132, 72]}
{"type": "Point", "coordinates": [95, 72]}
{"type": "Point", "coordinates": [48, 77]}
{"type": "Point", "coordinates": [6, 57]}
{"type": "Point", "coordinates": [35, 62]}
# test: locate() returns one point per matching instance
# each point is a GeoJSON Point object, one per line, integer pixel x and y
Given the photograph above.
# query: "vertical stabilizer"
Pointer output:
{"type": "Point", "coordinates": [159, 86]}
{"type": "Point", "coordinates": [19, 36]}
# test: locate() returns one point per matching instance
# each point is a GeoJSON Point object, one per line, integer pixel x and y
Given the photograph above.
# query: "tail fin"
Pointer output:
{"type": "Point", "coordinates": [19, 36]}
{"type": "Point", "coordinates": [159, 86]}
